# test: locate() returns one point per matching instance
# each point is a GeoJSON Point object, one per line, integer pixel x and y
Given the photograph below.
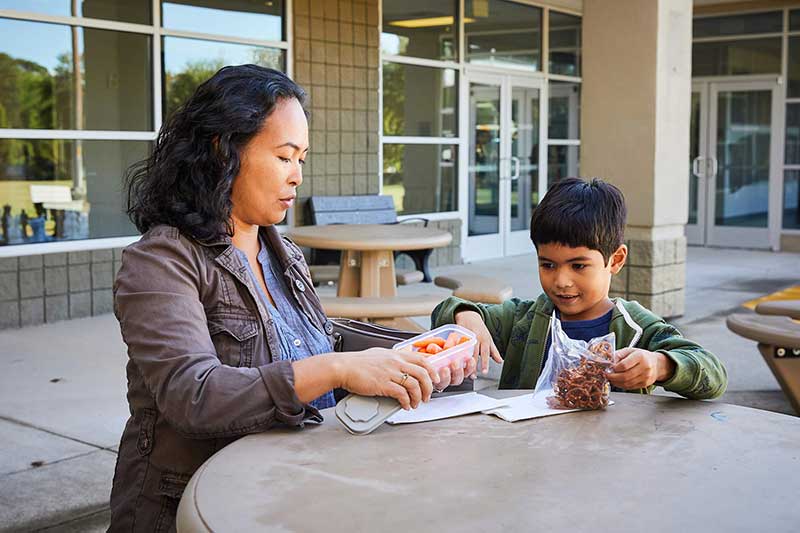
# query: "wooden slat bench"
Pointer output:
{"type": "Point", "coordinates": [476, 288]}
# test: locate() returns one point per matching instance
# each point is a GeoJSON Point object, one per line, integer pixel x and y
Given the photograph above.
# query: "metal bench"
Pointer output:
{"type": "Point", "coordinates": [778, 339]}
{"type": "Point", "coordinates": [365, 209]}
{"type": "Point", "coordinates": [476, 288]}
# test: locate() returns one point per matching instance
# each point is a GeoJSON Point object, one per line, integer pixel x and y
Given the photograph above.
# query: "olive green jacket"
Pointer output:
{"type": "Point", "coordinates": [520, 329]}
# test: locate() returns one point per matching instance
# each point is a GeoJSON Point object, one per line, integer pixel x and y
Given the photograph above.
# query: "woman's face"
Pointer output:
{"type": "Point", "coordinates": [271, 167]}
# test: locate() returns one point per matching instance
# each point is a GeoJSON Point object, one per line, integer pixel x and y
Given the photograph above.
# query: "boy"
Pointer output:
{"type": "Point", "coordinates": [577, 230]}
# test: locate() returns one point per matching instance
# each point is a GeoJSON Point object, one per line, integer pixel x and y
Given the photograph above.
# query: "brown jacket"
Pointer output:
{"type": "Point", "coordinates": [200, 369]}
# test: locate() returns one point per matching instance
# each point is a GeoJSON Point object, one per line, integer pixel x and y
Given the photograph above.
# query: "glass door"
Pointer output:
{"type": "Point", "coordinates": [699, 164]}
{"type": "Point", "coordinates": [504, 175]}
{"type": "Point", "coordinates": [735, 157]}
{"type": "Point", "coordinates": [484, 169]}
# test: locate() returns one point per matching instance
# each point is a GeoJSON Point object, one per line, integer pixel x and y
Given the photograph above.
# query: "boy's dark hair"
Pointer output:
{"type": "Point", "coordinates": [575, 212]}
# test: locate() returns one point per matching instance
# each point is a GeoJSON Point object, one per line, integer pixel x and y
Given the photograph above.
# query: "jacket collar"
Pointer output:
{"type": "Point", "coordinates": [268, 234]}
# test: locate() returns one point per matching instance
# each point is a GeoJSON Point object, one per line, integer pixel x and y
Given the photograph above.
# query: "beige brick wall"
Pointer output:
{"type": "Point", "coordinates": [336, 60]}
{"type": "Point", "coordinates": [655, 275]}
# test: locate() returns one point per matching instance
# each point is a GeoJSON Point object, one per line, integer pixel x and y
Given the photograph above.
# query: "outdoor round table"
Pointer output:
{"type": "Point", "coordinates": [647, 463]}
{"type": "Point", "coordinates": [367, 267]}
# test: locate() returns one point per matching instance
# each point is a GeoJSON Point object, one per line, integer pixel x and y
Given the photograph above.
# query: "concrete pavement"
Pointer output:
{"type": "Point", "coordinates": [62, 389]}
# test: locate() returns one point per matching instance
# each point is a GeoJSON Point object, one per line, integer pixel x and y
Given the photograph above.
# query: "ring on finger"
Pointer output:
{"type": "Point", "coordinates": [405, 377]}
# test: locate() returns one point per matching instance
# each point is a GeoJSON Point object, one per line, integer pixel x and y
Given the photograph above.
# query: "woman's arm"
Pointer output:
{"type": "Point", "coordinates": [163, 322]}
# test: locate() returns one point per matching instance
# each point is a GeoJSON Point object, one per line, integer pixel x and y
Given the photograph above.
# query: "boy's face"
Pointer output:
{"type": "Point", "coordinates": [577, 280]}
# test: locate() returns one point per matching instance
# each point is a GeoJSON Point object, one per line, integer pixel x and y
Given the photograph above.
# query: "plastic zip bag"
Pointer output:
{"type": "Point", "coordinates": [574, 375]}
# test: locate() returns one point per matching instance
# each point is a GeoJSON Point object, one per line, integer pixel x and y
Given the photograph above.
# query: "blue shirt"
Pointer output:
{"type": "Point", "coordinates": [298, 337]}
{"type": "Point", "coordinates": [584, 330]}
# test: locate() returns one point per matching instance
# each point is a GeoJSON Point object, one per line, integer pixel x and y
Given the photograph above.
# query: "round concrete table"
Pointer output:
{"type": "Point", "coordinates": [367, 267]}
{"type": "Point", "coordinates": [648, 463]}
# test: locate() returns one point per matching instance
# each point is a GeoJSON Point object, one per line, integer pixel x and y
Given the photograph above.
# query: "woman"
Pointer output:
{"type": "Point", "coordinates": [225, 333]}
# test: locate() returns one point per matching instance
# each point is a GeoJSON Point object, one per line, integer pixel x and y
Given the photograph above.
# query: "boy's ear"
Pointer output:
{"type": "Point", "coordinates": [618, 259]}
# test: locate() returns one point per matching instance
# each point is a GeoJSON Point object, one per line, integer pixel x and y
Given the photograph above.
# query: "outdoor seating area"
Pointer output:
{"type": "Point", "coordinates": [776, 329]}
{"type": "Point", "coordinates": [384, 265]}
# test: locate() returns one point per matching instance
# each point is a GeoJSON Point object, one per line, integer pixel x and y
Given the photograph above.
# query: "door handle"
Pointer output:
{"type": "Point", "coordinates": [714, 166]}
{"type": "Point", "coordinates": [515, 175]}
{"type": "Point", "coordinates": [696, 166]}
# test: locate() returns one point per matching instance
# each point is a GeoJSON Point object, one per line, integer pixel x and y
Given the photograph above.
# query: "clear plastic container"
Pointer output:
{"type": "Point", "coordinates": [460, 353]}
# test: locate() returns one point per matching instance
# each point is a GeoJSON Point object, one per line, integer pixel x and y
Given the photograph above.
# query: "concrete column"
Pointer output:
{"type": "Point", "coordinates": [635, 134]}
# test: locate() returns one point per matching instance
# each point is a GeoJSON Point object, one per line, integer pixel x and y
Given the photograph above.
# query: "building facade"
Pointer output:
{"type": "Point", "coordinates": [462, 110]}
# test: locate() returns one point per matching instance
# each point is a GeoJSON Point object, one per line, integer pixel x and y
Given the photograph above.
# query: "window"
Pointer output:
{"type": "Point", "coordinates": [420, 106]}
{"type": "Point", "coordinates": [245, 19]}
{"type": "Point", "coordinates": [791, 200]}
{"type": "Point", "coordinates": [503, 33]}
{"type": "Point", "coordinates": [78, 99]}
{"type": "Point", "coordinates": [748, 24]}
{"type": "Point", "coordinates": [189, 62]}
{"type": "Point", "coordinates": [111, 88]}
{"type": "Point", "coordinates": [136, 12]}
{"type": "Point", "coordinates": [55, 189]}
{"type": "Point", "coordinates": [733, 58]}
{"type": "Point", "coordinates": [426, 173]}
{"type": "Point", "coordinates": [565, 44]}
{"type": "Point", "coordinates": [419, 101]}
{"type": "Point", "coordinates": [420, 29]}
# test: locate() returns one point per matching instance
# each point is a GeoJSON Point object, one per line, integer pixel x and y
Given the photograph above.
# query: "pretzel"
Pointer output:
{"type": "Point", "coordinates": [584, 386]}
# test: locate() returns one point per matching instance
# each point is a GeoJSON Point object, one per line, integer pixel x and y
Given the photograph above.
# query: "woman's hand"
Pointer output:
{"type": "Point", "coordinates": [485, 347]}
{"type": "Point", "coordinates": [405, 376]}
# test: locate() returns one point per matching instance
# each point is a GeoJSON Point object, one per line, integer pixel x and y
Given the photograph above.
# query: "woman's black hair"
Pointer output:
{"type": "Point", "coordinates": [186, 181]}
{"type": "Point", "coordinates": [578, 213]}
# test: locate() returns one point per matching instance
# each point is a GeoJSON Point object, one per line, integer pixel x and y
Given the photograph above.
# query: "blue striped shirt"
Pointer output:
{"type": "Point", "coordinates": [298, 337]}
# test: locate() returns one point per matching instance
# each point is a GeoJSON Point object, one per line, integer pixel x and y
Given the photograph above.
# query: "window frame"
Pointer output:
{"type": "Point", "coordinates": [462, 66]}
{"type": "Point", "coordinates": [156, 33]}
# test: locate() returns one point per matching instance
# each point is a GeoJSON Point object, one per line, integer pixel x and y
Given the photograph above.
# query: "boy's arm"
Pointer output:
{"type": "Point", "coordinates": [499, 318]}
{"type": "Point", "coordinates": [699, 374]}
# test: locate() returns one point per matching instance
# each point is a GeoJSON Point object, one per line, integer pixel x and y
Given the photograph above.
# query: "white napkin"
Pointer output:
{"type": "Point", "coordinates": [447, 407]}
{"type": "Point", "coordinates": [528, 406]}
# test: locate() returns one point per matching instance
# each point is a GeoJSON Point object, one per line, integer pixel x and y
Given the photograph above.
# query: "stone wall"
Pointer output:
{"type": "Point", "coordinates": [39, 289]}
{"type": "Point", "coordinates": [655, 275]}
{"type": "Point", "coordinates": [336, 59]}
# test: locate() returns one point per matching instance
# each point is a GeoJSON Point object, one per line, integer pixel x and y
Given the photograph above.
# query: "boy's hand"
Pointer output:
{"type": "Point", "coordinates": [638, 369]}
{"type": "Point", "coordinates": [485, 347]}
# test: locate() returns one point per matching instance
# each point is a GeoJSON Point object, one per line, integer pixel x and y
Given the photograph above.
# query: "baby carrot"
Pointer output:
{"type": "Point", "coordinates": [451, 341]}
{"type": "Point", "coordinates": [433, 348]}
{"type": "Point", "coordinates": [424, 342]}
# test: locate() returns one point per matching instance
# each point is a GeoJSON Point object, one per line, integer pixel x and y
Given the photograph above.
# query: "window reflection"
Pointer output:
{"type": "Point", "coordinates": [420, 28]}
{"type": "Point", "coordinates": [190, 62]}
{"type": "Point", "coordinates": [565, 44]}
{"type": "Point", "coordinates": [500, 32]}
{"type": "Point", "coordinates": [791, 199]}
{"type": "Point", "coordinates": [250, 19]}
{"type": "Point", "coordinates": [422, 178]}
{"type": "Point", "coordinates": [419, 101]}
{"type": "Point", "coordinates": [137, 12]}
{"type": "Point", "coordinates": [751, 23]}
{"type": "Point", "coordinates": [727, 58]}
{"type": "Point", "coordinates": [54, 190]}
{"type": "Point", "coordinates": [564, 115]}
{"type": "Point", "coordinates": [40, 88]}
{"type": "Point", "coordinates": [562, 162]}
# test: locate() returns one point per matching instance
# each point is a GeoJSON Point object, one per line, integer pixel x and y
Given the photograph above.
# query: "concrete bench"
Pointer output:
{"type": "Point", "coordinates": [778, 339]}
{"type": "Point", "coordinates": [378, 307]}
{"type": "Point", "coordinates": [324, 274]}
{"type": "Point", "coordinates": [476, 288]}
{"type": "Point", "coordinates": [790, 308]}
